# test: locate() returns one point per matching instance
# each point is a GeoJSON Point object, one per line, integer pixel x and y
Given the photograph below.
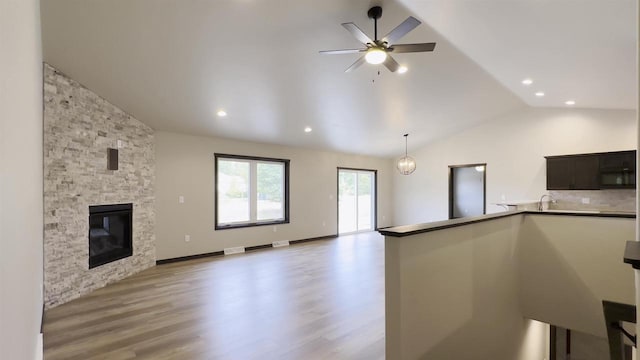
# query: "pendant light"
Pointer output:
{"type": "Point", "coordinates": [406, 164]}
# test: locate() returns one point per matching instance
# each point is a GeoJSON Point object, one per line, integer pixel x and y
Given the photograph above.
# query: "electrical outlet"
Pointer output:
{"type": "Point", "coordinates": [181, 199]}
{"type": "Point", "coordinates": [275, 229]}
{"type": "Point", "coordinates": [324, 223]}
{"type": "Point", "coordinates": [234, 250]}
{"type": "Point", "coordinates": [586, 200]}
{"type": "Point", "coordinates": [280, 243]}
{"type": "Point", "coordinates": [119, 144]}
{"type": "Point", "coordinates": [187, 238]}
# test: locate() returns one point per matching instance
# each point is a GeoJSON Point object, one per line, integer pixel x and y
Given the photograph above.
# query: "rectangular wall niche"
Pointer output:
{"type": "Point", "coordinates": [110, 233]}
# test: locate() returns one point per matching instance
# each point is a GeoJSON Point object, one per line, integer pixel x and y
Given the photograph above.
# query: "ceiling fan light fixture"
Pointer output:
{"type": "Point", "coordinates": [377, 51]}
{"type": "Point", "coordinates": [375, 56]}
{"type": "Point", "coordinates": [402, 69]}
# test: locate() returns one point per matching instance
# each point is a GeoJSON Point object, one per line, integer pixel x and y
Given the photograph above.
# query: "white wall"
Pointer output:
{"type": "Point", "coordinates": [513, 146]}
{"type": "Point", "coordinates": [568, 264]}
{"type": "Point", "coordinates": [20, 179]}
{"type": "Point", "coordinates": [185, 167]}
{"type": "Point", "coordinates": [535, 341]}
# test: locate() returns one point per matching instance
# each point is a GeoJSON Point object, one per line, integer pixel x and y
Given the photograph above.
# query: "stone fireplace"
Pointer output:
{"type": "Point", "coordinates": [88, 245]}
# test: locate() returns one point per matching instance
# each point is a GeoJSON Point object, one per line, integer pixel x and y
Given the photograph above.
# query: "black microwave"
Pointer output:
{"type": "Point", "coordinates": [618, 170]}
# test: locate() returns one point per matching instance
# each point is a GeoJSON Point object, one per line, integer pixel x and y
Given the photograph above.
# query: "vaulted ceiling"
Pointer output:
{"type": "Point", "coordinates": [174, 64]}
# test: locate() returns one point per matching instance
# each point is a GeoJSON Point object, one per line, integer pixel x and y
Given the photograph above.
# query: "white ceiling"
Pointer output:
{"type": "Point", "coordinates": [582, 50]}
{"type": "Point", "coordinates": [173, 64]}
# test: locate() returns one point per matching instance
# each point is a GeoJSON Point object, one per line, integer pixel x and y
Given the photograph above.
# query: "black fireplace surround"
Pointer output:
{"type": "Point", "coordinates": [110, 232]}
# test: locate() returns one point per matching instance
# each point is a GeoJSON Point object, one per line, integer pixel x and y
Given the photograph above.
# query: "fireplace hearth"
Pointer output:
{"type": "Point", "coordinates": [110, 233]}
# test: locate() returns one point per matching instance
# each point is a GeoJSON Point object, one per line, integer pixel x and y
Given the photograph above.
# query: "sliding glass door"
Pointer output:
{"type": "Point", "coordinates": [356, 200]}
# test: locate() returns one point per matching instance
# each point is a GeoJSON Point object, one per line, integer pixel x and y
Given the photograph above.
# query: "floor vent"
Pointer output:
{"type": "Point", "coordinates": [234, 250]}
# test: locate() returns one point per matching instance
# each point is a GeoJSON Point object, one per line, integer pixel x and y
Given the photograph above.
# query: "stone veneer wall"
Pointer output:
{"type": "Point", "coordinates": [79, 126]}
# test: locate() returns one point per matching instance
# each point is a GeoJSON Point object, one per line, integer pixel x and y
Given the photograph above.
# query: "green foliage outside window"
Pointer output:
{"type": "Point", "coordinates": [270, 180]}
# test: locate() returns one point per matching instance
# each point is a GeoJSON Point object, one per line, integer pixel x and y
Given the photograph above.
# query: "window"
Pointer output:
{"type": "Point", "coordinates": [251, 191]}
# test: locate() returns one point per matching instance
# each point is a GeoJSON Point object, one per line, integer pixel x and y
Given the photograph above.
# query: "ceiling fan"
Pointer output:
{"type": "Point", "coordinates": [378, 51]}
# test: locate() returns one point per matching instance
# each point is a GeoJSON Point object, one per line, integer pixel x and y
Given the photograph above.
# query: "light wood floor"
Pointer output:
{"type": "Point", "coordinates": [318, 300]}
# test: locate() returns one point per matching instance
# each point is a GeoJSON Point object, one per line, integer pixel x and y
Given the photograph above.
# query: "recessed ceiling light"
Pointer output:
{"type": "Point", "coordinates": [570, 102]}
{"type": "Point", "coordinates": [539, 94]}
{"type": "Point", "coordinates": [221, 113]}
{"type": "Point", "coordinates": [402, 69]}
{"type": "Point", "coordinates": [527, 82]}
{"type": "Point", "coordinates": [308, 129]}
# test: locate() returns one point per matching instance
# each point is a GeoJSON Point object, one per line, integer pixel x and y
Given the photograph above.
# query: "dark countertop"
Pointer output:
{"type": "Point", "coordinates": [407, 230]}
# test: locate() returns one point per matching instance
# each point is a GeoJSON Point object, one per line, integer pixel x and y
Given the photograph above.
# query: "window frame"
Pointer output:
{"type": "Point", "coordinates": [252, 160]}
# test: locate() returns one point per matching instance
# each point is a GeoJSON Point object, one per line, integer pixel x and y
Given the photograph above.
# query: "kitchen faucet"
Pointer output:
{"type": "Point", "coordinates": [540, 206]}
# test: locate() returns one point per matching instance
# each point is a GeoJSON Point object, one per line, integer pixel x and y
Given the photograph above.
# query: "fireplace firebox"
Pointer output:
{"type": "Point", "coordinates": [110, 233]}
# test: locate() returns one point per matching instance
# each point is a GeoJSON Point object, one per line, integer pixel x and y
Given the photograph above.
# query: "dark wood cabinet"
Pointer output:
{"type": "Point", "coordinates": [560, 173]}
{"type": "Point", "coordinates": [577, 172]}
{"type": "Point", "coordinates": [585, 175]}
{"type": "Point", "coordinates": [613, 170]}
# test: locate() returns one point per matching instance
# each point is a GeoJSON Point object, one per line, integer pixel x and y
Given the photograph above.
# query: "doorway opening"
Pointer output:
{"type": "Point", "coordinates": [467, 190]}
{"type": "Point", "coordinates": [356, 200]}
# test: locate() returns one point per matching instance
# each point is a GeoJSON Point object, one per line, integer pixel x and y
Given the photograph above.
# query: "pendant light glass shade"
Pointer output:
{"type": "Point", "coordinates": [406, 164]}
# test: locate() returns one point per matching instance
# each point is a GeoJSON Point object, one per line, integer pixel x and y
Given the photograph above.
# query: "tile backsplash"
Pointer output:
{"type": "Point", "coordinates": [604, 200]}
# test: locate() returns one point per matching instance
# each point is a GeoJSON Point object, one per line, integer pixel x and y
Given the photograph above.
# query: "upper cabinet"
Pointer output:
{"type": "Point", "coordinates": [614, 170]}
{"type": "Point", "coordinates": [574, 172]}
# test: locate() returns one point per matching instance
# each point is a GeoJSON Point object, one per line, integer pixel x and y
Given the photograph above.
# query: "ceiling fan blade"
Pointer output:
{"type": "Point", "coordinates": [356, 64]}
{"type": "Point", "coordinates": [359, 34]}
{"type": "Point", "coordinates": [391, 64]}
{"type": "Point", "coordinates": [345, 51]}
{"type": "Point", "coordinates": [401, 30]}
{"type": "Point", "coordinates": [408, 48]}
